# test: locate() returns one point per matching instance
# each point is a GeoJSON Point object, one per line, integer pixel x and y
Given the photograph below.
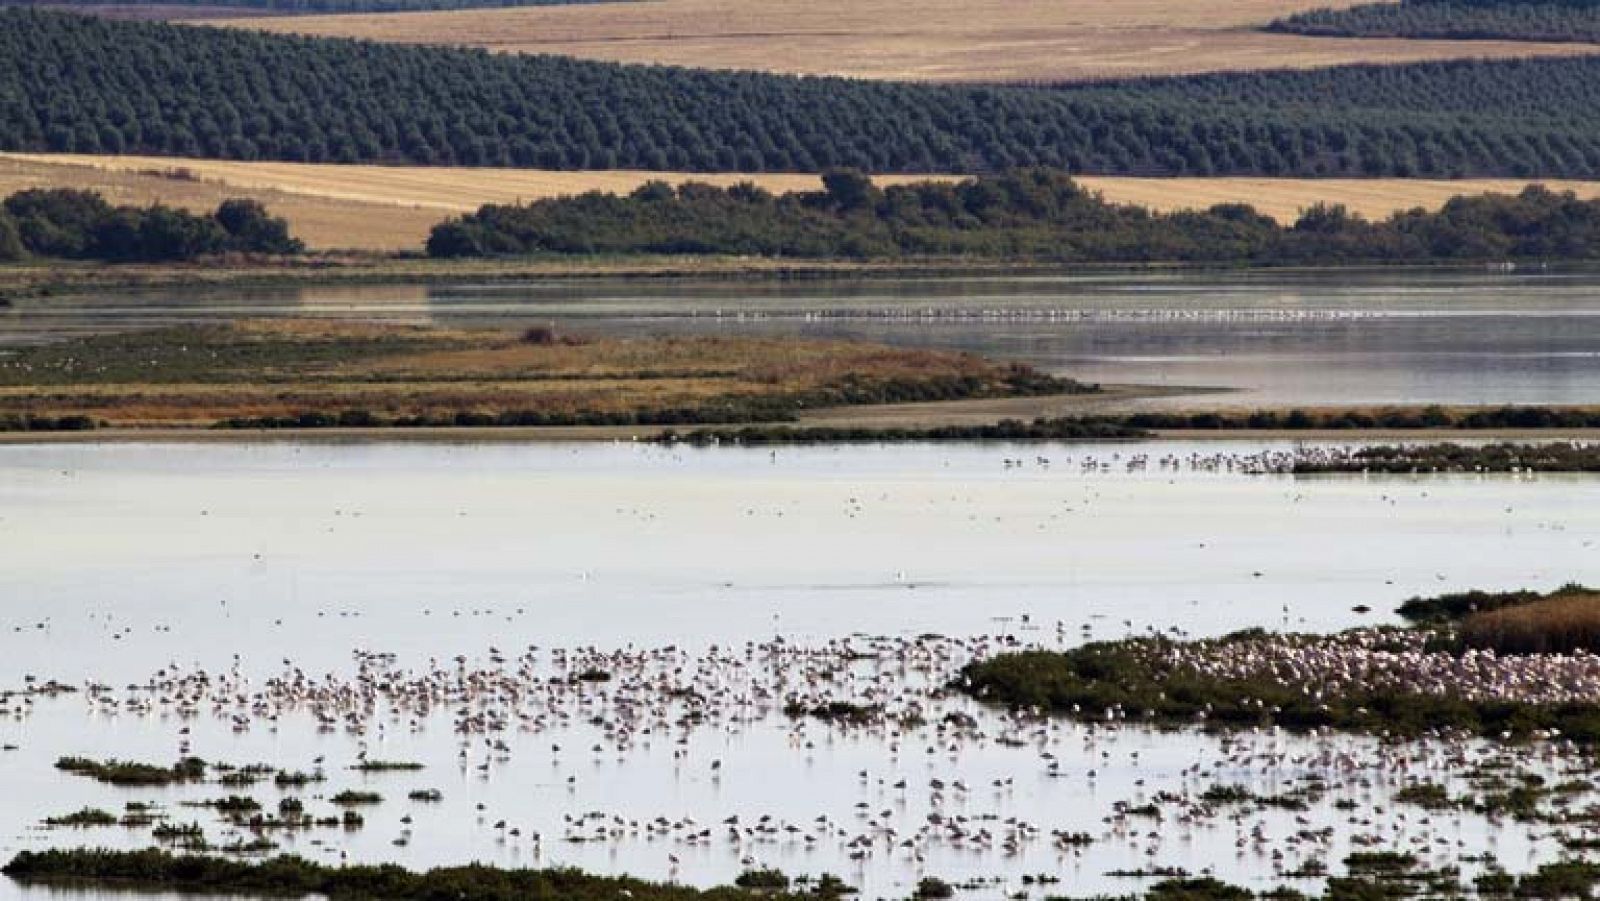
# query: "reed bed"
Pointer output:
{"type": "Point", "coordinates": [1563, 624]}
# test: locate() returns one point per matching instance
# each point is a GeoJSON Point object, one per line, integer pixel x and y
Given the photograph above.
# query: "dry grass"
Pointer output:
{"type": "Point", "coordinates": [197, 376]}
{"type": "Point", "coordinates": [433, 189]}
{"type": "Point", "coordinates": [925, 40]}
{"type": "Point", "coordinates": [1285, 198]}
{"type": "Point", "coordinates": [376, 208]}
{"type": "Point", "coordinates": [323, 222]}
{"type": "Point", "coordinates": [1566, 622]}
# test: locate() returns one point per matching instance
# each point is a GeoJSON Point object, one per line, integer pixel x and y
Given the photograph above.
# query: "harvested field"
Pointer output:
{"type": "Point", "coordinates": [1285, 198]}
{"type": "Point", "coordinates": [392, 207]}
{"type": "Point", "coordinates": [921, 40]}
{"type": "Point", "coordinates": [329, 206]}
{"type": "Point", "coordinates": [323, 222]}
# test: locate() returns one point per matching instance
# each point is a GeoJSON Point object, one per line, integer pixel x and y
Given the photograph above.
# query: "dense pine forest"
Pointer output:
{"type": "Point", "coordinates": [1033, 214]}
{"type": "Point", "coordinates": [311, 7]}
{"type": "Point", "coordinates": [1514, 20]}
{"type": "Point", "coordinates": [81, 225]}
{"type": "Point", "coordinates": [87, 85]}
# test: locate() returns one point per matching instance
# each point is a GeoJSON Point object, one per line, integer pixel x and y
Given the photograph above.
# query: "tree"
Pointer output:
{"type": "Point", "coordinates": [11, 248]}
{"type": "Point", "coordinates": [169, 234]}
{"type": "Point", "coordinates": [57, 222]}
{"type": "Point", "coordinates": [252, 230]}
{"type": "Point", "coordinates": [849, 190]}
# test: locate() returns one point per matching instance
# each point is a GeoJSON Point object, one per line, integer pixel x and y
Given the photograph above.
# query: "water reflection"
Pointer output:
{"type": "Point", "coordinates": [1279, 338]}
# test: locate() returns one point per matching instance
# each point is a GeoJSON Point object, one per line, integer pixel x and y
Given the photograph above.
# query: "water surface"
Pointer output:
{"type": "Point", "coordinates": [119, 561]}
{"type": "Point", "coordinates": [1387, 336]}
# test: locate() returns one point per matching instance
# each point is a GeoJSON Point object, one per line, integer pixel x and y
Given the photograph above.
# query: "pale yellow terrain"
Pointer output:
{"type": "Point", "coordinates": [1285, 198]}
{"type": "Point", "coordinates": [437, 188]}
{"type": "Point", "coordinates": [393, 207]}
{"type": "Point", "coordinates": [923, 40]}
{"type": "Point", "coordinates": [322, 221]}
{"type": "Point", "coordinates": [382, 208]}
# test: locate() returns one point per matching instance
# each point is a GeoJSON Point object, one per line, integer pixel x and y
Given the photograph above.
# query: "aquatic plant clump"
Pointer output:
{"type": "Point", "coordinates": [121, 772]}
{"type": "Point", "coordinates": [293, 876]}
{"type": "Point", "coordinates": [1373, 875]}
{"type": "Point", "coordinates": [1504, 457]}
{"type": "Point", "coordinates": [1369, 680]}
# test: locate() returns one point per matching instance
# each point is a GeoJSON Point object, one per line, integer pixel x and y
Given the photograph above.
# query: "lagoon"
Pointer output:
{"type": "Point", "coordinates": [119, 560]}
{"type": "Point", "coordinates": [1260, 337]}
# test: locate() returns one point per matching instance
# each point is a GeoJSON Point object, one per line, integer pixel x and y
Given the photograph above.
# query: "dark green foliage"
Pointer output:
{"type": "Point", "coordinates": [770, 879]}
{"type": "Point", "coordinates": [1568, 879]}
{"type": "Point", "coordinates": [387, 766]}
{"type": "Point", "coordinates": [11, 248]}
{"type": "Point", "coordinates": [87, 85]}
{"type": "Point", "coordinates": [1507, 417]}
{"type": "Point", "coordinates": [88, 816]}
{"type": "Point", "coordinates": [70, 224]}
{"type": "Point", "coordinates": [1449, 608]}
{"type": "Point", "coordinates": [1008, 430]}
{"type": "Point", "coordinates": [251, 228]}
{"type": "Point", "coordinates": [13, 422]}
{"type": "Point", "coordinates": [1035, 214]}
{"type": "Point", "coordinates": [1513, 20]}
{"type": "Point", "coordinates": [185, 354]}
{"type": "Point", "coordinates": [122, 772]}
{"type": "Point", "coordinates": [1197, 889]}
{"type": "Point", "coordinates": [1505, 457]}
{"type": "Point", "coordinates": [1427, 795]}
{"type": "Point", "coordinates": [932, 888]}
{"type": "Point", "coordinates": [315, 6]}
{"type": "Point", "coordinates": [1374, 876]}
{"type": "Point", "coordinates": [842, 712]}
{"type": "Point", "coordinates": [1128, 676]}
{"type": "Point", "coordinates": [295, 877]}
{"type": "Point", "coordinates": [58, 222]}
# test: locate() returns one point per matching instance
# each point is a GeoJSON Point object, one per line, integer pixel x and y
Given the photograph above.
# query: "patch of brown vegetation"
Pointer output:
{"type": "Point", "coordinates": [920, 40]}
{"type": "Point", "coordinates": [199, 376]}
{"type": "Point", "coordinates": [1567, 622]}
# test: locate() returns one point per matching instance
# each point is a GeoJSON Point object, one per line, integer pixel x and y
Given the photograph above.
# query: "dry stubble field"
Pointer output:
{"type": "Point", "coordinates": [922, 40]}
{"type": "Point", "coordinates": [388, 208]}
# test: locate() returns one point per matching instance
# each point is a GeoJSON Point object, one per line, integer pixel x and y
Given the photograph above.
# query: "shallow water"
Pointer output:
{"type": "Point", "coordinates": [1390, 336]}
{"type": "Point", "coordinates": [119, 560]}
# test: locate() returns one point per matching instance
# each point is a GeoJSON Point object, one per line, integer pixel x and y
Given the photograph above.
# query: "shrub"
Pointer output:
{"type": "Point", "coordinates": [1557, 625]}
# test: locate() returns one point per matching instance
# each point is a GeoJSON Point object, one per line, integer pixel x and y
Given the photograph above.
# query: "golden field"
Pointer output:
{"type": "Point", "coordinates": [376, 208]}
{"type": "Point", "coordinates": [920, 40]}
{"type": "Point", "coordinates": [386, 208]}
{"type": "Point", "coordinates": [323, 222]}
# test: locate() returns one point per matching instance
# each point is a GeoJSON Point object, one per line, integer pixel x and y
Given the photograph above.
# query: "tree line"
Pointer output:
{"type": "Point", "coordinates": [72, 83]}
{"type": "Point", "coordinates": [1032, 214]}
{"type": "Point", "coordinates": [1574, 20]}
{"type": "Point", "coordinates": [312, 6]}
{"type": "Point", "coordinates": [80, 225]}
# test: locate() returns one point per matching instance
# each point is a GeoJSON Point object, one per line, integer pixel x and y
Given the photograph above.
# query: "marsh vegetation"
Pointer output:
{"type": "Point", "coordinates": [1509, 672]}
{"type": "Point", "coordinates": [309, 374]}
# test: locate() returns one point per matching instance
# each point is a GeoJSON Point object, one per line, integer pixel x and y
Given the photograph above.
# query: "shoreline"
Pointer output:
{"type": "Point", "coordinates": [650, 434]}
{"type": "Point", "coordinates": [35, 282]}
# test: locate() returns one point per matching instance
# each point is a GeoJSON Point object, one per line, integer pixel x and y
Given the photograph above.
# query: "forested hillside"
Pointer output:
{"type": "Point", "coordinates": [80, 84]}
{"type": "Point", "coordinates": [1517, 20]}
{"type": "Point", "coordinates": [312, 7]}
{"type": "Point", "coordinates": [1034, 215]}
